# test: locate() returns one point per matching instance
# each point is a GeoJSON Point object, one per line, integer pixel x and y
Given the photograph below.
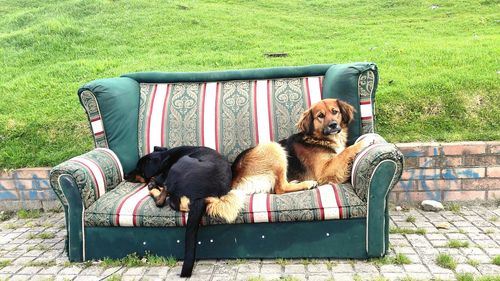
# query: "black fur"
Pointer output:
{"type": "Point", "coordinates": [191, 171]}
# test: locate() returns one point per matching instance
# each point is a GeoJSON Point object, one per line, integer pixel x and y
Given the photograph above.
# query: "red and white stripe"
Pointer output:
{"type": "Point", "coordinates": [260, 206]}
{"type": "Point", "coordinates": [329, 202]}
{"type": "Point", "coordinates": [314, 86]}
{"type": "Point", "coordinates": [209, 115]}
{"type": "Point", "coordinates": [95, 171]}
{"type": "Point", "coordinates": [366, 110]}
{"type": "Point", "coordinates": [156, 113]}
{"type": "Point", "coordinates": [262, 111]}
{"type": "Point", "coordinates": [115, 158]}
{"type": "Point", "coordinates": [128, 204]}
{"type": "Point", "coordinates": [97, 126]}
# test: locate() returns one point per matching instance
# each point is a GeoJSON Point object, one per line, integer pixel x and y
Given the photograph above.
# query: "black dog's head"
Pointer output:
{"type": "Point", "coordinates": [148, 166]}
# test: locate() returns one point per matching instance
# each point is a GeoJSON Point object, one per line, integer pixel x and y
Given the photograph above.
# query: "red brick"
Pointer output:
{"type": "Point", "coordinates": [440, 184]}
{"type": "Point", "coordinates": [429, 162]}
{"type": "Point", "coordinates": [418, 196]}
{"type": "Point", "coordinates": [480, 160]}
{"type": "Point", "coordinates": [467, 195]}
{"type": "Point", "coordinates": [411, 162]}
{"type": "Point", "coordinates": [462, 148]}
{"type": "Point", "coordinates": [493, 172]}
{"type": "Point", "coordinates": [484, 183]}
{"type": "Point", "coordinates": [402, 185]}
{"type": "Point", "coordinates": [452, 162]}
{"type": "Point", "coordinates": [418, 149]}
{"type": "Point", "coordinates": [26, 173]}
{"type": "Point", "coordinates": [494, 147]}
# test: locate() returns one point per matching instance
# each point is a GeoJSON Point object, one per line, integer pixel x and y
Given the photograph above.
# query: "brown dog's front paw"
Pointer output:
{"type": "Point", "coordinates": [311, 184]}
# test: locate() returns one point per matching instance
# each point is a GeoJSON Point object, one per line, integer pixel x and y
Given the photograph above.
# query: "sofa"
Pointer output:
{"type": "Point", "coordinates": [228, 111]}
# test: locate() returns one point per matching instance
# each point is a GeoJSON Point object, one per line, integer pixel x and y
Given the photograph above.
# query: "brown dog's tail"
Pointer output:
{"type": "Point", "coordinates": [227, 206]}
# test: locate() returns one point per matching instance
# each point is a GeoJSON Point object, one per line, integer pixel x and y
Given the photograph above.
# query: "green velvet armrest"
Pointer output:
{"type": "Point", "coordinates": [375, 172]}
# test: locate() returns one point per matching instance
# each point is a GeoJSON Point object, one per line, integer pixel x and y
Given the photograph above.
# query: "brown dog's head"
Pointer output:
{"type": "Point", "coordinates": [326, 118]}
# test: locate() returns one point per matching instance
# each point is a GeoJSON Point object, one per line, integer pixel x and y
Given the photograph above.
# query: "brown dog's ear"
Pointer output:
{"type": "Point", "coordinates": [346, 110]}
{"type": "Point", "coordinates": [305, 123]}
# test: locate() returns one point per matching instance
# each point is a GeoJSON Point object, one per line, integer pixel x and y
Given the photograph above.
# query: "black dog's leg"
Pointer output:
{"type": "Point", "coordinates": [196, 211]}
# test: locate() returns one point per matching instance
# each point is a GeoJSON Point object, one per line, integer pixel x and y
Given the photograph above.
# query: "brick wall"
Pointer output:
{"type": "Point", "coordinates": [441, 171]}
{"type": "Point", "coordinates": [26, 189]}
{"type": "Point", "coordinates": [459, 171]}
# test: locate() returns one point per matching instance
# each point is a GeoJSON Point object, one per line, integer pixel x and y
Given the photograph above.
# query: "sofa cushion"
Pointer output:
{"type": "Point", "coordinates": [228, 116]}
{"type": "Point", "coordinates": [130, 205]}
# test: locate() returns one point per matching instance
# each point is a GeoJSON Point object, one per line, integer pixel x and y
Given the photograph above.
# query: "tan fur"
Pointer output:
{"type": "Point", "coordinates": [267, 159]}
{"type": "Point", "coordinates": [326, 158]}
{"type": "Point", "coordinates": [226, 207]}
{"type": "Point", "coordinates": [184, 204]}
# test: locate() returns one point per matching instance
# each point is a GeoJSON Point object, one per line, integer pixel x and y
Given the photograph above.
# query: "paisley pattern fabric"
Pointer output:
{"type": "Point", "coordinates": [228, 116]}
{"type": "Point", "coordinates": [91, 106]}
{"type": "Point", "coordinates": [366, 84]}
{"type": "Point", "coordinates": [95, 173]}
{"type": "Point", "coordinates": [130, 205]}
{"type": "Point", "coordinates": [367, 161]}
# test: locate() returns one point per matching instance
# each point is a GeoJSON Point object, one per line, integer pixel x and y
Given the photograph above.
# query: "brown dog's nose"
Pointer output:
{"type": "Point", "coordinates": [333, 125]}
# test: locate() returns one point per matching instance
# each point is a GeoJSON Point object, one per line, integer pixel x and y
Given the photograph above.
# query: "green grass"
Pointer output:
{"type": "Point", "coordinates": [411, 219]}
{"type": "Point", "coordinates": [454, 207]}
{"type": "Point", "coordinates": [473, 262]}
{"type": "Point", "coordinates": [398, 259]}
{"type": "Point", "coordinates": [133, 260]}
{"type": "Point", "coordinates": [457, 244]}
{"type": "Point", "coordinates": [496, 260]}
{"type": "Point", "coordinates": [446, 261]}
{"type": "Point", "coordinates": [438, 67]}
{"type": "Point", "coordinates": [5, 263]}
{"type": "Point", "coordinates": [28, 214]}
{"type": "Point", "coordinates": [470, 277]}
{"type": "Point", "coordinates": [400, 230]}
{"type": "Point", "coordinates": [43, 235]}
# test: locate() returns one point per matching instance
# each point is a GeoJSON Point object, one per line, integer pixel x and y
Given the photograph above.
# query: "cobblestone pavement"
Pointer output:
{"type": "Point", "coordinates": [33, 249]}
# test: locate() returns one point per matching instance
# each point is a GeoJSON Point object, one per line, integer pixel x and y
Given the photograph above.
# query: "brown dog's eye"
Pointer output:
{"type": "Point", "coordinates": [321, 115]}
{"type": "Point", "coordinates": [334, 111]}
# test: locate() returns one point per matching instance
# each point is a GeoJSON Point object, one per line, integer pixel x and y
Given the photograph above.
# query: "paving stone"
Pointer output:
{"type": "Point", "coordinates": [319, 277]}
{"type": "Point", "coordinates": [92, 271]}
{"type": "Point", "coordinates": [343, 276]}
{"type": "Point", "coordinates": [4, 276]}
{"type": "Point", "coordinates": [466, 268]}
{"type": "Point", "coordinates": [19, 277]}
{"type": "Point", "coordinates": [342, 268]}
{"type": "Point", "coordinates": [87, 278]}
{"type": "Point", "coordinates": [158, 271]}
{"type": "Point", "coordinates": [42, 277]}
{"type": "Point", "coordinates": [135, 271]}
{"type": "Point", "coordinates": [249, 268]}
{"type": "Point", "coordinates": [137, 278]}
{"type": "Point", "coordinates": [363, 267]}
{"type": "Point", "coordinates": [395, 276]}
{"type": "Point", "coordinates": [204, 277]}
{"type": "Point", "coordinates": [480, 258]}
{"type": "Point", "coordinates": [489, 269]}
{"type": "Point", "coordinates": [295, 269]}
{"type": "Point", "coordinates": [10, 269]}
{"type": "Point", "coordinates": [29, 270]}
{"type": "Point", "coordinates": [415, 268]}
{"type": "Point", "coordinates": [203, 269]}
{"type": "Point", "coordinates": [390, 268]}
{"type": "Point", "coordinates": [317, 268]}
{"type": "Point", "coordinates": [270, 268]}
{"type": "Point", "coordinates": [245, 276]}
{"type": "Point", "coordinates": [294, 276]}
{"type": "Point", "coordinates": [65, 277]}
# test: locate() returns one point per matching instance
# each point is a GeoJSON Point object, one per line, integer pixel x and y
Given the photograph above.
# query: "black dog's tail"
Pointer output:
{"type": "Point", "coordinates": [196, 211]}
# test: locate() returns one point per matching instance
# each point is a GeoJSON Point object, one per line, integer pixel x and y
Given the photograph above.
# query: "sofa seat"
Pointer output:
{"type": "Point", "coordinates": [130, 205]}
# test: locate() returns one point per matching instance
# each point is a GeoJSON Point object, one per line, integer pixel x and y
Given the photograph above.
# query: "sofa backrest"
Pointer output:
{"type": "Point", "coordinates": [227, 110]}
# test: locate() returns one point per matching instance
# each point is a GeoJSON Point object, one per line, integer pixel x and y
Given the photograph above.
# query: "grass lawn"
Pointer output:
{"type": "Point", "coordinates": [438, 60]}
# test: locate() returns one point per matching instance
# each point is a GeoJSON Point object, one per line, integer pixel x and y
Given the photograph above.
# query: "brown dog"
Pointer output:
{"type": "Point", "coordinates": [316, 155]}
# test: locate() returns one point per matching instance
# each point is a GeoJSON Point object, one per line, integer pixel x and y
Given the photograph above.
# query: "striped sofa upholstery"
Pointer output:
{"type": "Point", "coordinates": [130, 205]}
{"type": "Point", "coordinates": [228, 116]}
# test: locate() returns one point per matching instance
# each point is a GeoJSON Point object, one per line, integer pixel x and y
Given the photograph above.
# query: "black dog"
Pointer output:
{"type": "Point", "coordinates": [197, 180]}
